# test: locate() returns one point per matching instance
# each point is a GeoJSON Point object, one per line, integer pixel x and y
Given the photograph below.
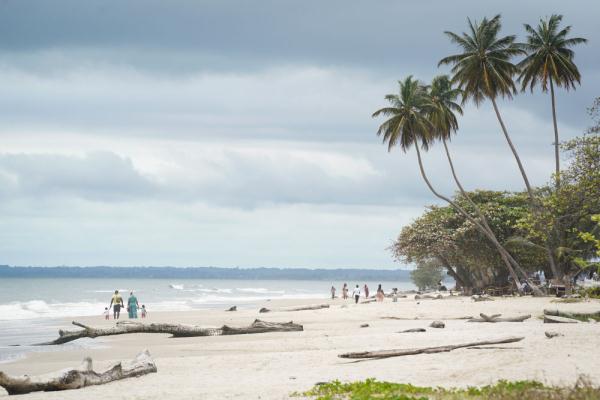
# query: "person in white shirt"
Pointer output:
{"type": "Point", "coordinates": [356, 294]}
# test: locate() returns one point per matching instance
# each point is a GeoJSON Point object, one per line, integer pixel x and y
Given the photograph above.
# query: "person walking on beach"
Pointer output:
{"type": "Point", "coordinates": [380, 295]}
{"type": "Point", "coordinates": [356, 294]}
{"type": "Point", "coordinates": [132, 305]}
{"type": "Point", "coordinates": [345, 291]}
{"type": "Point", "coordinates": [116, 303]}
{"type": "Point", "coordinates": [332, 292]}
{"type": "Point", "coordinates": [366, 288]}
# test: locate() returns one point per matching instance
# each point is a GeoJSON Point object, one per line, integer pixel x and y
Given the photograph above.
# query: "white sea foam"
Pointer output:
{"type": "Point", "coordinates": [41, 309]}
{"type": "Point", "coordinates": [259, 290]}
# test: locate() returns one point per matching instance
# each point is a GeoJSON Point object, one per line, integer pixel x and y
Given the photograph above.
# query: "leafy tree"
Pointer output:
{"type": "Point", "coordinates": [549, 61]}
{"type": "Point", "coordinates": [427, 275]}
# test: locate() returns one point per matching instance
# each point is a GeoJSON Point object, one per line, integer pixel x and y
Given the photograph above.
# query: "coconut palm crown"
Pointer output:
{"type": "Point", "coordinates": [549, 56]}
{"type": "Point", "coordinates": [443, 106]}
{"type": "Point", "coordinates": [407, 123]}
{"type": "Point", "coordinates": [484, 68]}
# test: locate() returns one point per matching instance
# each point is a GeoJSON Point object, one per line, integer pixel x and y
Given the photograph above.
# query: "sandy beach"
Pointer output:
{"type": "Point", "coordinates": [274, 365]}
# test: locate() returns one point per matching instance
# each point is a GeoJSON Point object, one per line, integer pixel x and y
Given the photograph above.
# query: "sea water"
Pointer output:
{"type": "Point", "coordinates": [33, 309]}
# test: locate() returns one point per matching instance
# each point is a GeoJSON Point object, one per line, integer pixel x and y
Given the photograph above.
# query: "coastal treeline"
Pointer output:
{"type": "Point", "coordinates": [484, 237]}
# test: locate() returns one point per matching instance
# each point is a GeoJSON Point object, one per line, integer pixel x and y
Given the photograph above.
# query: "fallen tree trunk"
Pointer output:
{"type": "Point", "coordinates": [573, 315]}
{"type": "Point", "coordinates": [425, 350]}
{"type": "Point", "coordinates": [497, 318]}
{"type": "Point", "coordinates": [175, 330]}
{"type": "Point", "coordinates": [304, 308]}
{"type": "Point", "coordinates": [551, 319]}
{"type": "Point", "coordinates": [79, 377]}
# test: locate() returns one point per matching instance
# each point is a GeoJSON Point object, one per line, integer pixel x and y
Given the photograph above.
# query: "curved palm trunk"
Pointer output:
{"type": "Point", "coordinates": [556, 143]}
{"type": "Point", "coordinates": [471, 219]}
{"type": "Point", "coordinates": [483, 220]}
{"type": "Point", "coordinates": [532, 199]}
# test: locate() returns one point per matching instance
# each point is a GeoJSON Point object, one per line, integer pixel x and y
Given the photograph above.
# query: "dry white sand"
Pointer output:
{"type": "Point", "coordinates": [273, 365]}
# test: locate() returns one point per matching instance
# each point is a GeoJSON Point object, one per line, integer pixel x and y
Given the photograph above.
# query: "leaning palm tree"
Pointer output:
{"type": "Point", "coordinates": [441, 113]}
{"type": "Point", "coordinates": [484, 71]}
{"type": "Point", "coordinates": [409, 124]}
{"type": "Point", "coordinates": [549, 61]}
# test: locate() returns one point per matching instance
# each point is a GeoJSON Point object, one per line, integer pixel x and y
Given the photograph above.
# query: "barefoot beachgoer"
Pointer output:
{"type": "Point", "coordinates": [345, 291]}
{"type": "Point", "coordinates": [116, 303]}
{"type": "Point", "coordinates": [380, 295]}
{"type": "Point", "coordinates": [132, 305]}
{"type": "Point", "coordinates": [366, 288]}
{"type": "Point", "coordinates": [332, 292]}
{"type": "Point", "coordinates": [356, 294]}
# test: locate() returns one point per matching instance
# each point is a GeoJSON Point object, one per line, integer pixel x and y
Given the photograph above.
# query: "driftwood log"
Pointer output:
{"type": "Point", "coordinates": [79, 377]}
{"type": "Point", "coordinates": [551, 319]}
{"type": "Point", "coordinates": [428, 296]}
{"type": "Point", "coordinates": [175, 330]}
{"type": "Point", "coordinates": [550, 334]}
{"type": "Point", "coordinates": [573, 315]}
{"type": "Point", "coordinates": [372, 355]}
{"type": "Point", "coordinates": [497, 318]}
{"type": "Point", "coordinates": [482, 297]}
{"type": "Point", "coordinates": [437, 324]}
{"type": "Point", "coordinates": [413, 330]}
{"type": "Point", "coordinates": [232, 308]}
{"type": "Point", "coordinates": [304, 308]}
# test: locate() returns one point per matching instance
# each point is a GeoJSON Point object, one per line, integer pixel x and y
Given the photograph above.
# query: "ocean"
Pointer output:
{"type": "Point", "coordinates": [33, 309]}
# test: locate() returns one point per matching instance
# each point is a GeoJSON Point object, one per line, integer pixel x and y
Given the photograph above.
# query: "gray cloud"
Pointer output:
{"type": "Point", "coordinates": [133, 131]}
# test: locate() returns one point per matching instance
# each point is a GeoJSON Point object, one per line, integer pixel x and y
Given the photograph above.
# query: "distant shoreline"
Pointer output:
{"type": "Point", "coordinates": [317, 274]}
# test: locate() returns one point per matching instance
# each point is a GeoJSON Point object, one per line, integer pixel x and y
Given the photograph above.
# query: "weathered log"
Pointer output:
{"type": "Point", "coordinates": [304, 308]}
{"type": "Point", "coordinates": [364, 325]}
{"type": "Point", "coordinates": [552, 319]}
{"type": "Point", "coordinates": [413, 330]}
{"type": "Point", "coordinates": [574, 315]}
{"type": "Point", "coordinates": [264, 310]}
{"type": "Point", "coordinates": [437, 324]}
{"type": "Point", "coordinates": [550, 334]}
{"type": "Point", "coordinates": [428, 296]}
{"type": "Point", "coordinates": [425, 350]}
{"type": "Point", "coordinates": [232, 308]}
{"type": "Point", "coordinates": [175, 330]}
{"type": "Point", "coordinates": [496, 318]}
{"type": "Point", "coordinates": [79, 377]}
{"type": "Point", "coordinates": [368, 301]}
{"type": "Point", "coordinates": [484, 297]}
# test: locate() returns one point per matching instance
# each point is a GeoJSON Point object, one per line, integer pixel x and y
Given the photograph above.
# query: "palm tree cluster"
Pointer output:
{"type": "Point", "coordinates": [421, 115]}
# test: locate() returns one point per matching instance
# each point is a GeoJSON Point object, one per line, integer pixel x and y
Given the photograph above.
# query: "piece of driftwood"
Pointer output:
{"type": "Point", "coordinates": [79, 377]}
{"type": "Point", "coordinates": [264, 310]}
{"type": "Point", "coordinates": [574, 315]}
{"type": "Point", "coordinates": [304, 308]}
{"type": "Point", "coordinates": [364, 325]}
{"type": "Point", "coordinates": [424, 350]}
{"type": "Point", "coordinates": [437, 324]}
{"type": "Point", "coordinates": [550, 334]}
{"type": "Point", "coordinates": [413, 330]}
{"type": "Point", "coordinates": [478, 297]}
{"type": "Point", "coordinates": [428, 296]}
{"type": "Point", "coordinates": [232, 308]}
{"type": "Point", "coordinates": [368, 301]}
{"type": "Point", "coordinates": [552, 319]}
{"type": "Point", "coordinates": [175, 330]}
{"type": "Point", "coordinates": [497, 318]}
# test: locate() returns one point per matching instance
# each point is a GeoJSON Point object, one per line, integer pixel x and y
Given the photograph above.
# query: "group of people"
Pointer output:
{"type": "Point", "coordinates": [380, 295]}
{"type": "Point", "coordinates": [116, 303]}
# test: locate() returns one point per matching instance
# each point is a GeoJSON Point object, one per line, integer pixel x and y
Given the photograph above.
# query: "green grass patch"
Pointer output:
{"type": "Point", "coordinates": [503, 390]}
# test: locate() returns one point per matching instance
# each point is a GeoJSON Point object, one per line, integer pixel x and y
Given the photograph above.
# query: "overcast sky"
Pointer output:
{"type": "Point", "coordinates": [239, 133]}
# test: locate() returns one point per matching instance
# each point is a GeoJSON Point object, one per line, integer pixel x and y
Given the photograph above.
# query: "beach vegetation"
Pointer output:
{"type": "Point", "coordinates": [505, 390]}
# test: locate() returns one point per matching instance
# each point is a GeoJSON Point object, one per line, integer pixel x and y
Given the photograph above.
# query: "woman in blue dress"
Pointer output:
{"type": "Point", "coordinates": [132, 305]}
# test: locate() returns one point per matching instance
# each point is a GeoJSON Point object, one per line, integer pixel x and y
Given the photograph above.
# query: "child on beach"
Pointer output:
{"type": "Point", "coordinates": [106, 313]}
{"type": "Point", "coordinates": [332, 292]}
{"type": "Point", "coordinates": [144, 311]}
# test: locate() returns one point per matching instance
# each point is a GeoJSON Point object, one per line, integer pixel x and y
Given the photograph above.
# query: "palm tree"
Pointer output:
{"type": "Point", "coordinates": [409, 124]}
{"type": "Point", "coordinates": [549, 61]}
{"type": "Point", "coordinates": [441, 112]}
{"type": "Point", "coordinates": [484, 71]}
